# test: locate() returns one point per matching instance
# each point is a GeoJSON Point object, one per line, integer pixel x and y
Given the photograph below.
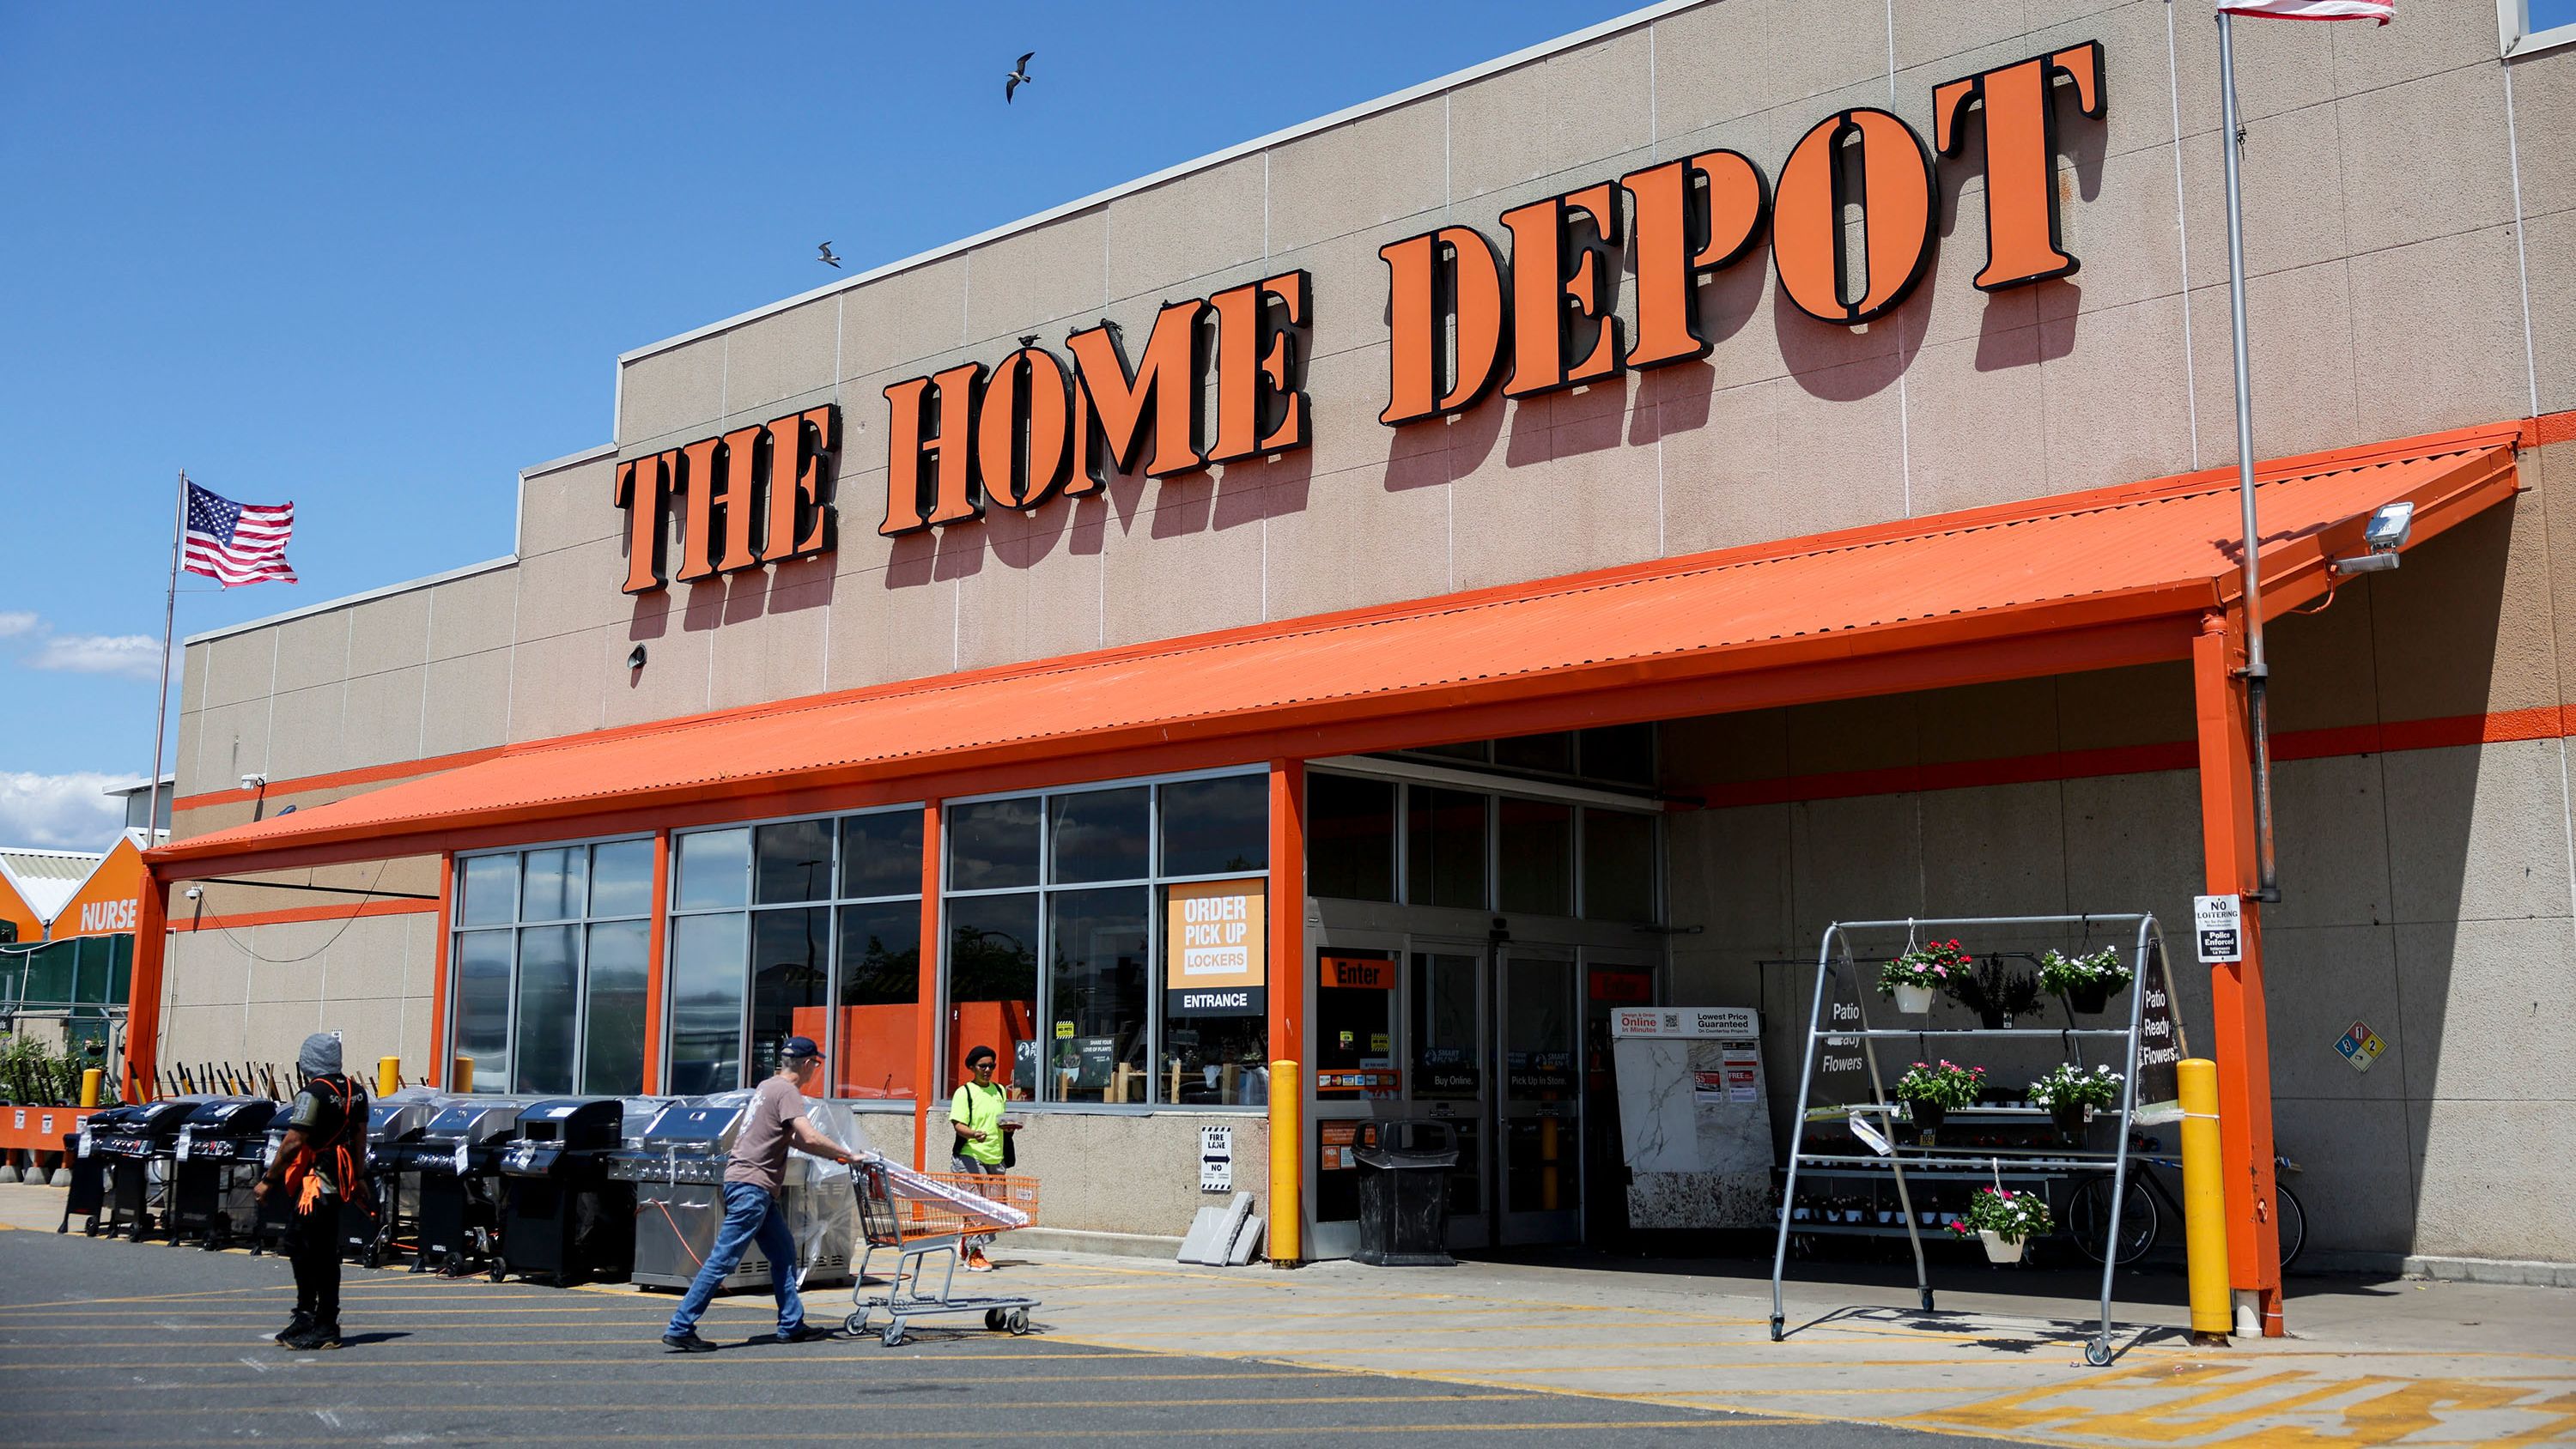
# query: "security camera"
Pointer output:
{"type": "Point", "coordinates": [195, 892]}
{"type": "Point", "coordinates": [2386, 534]}
{"type": "Point", "coordinates": [253, 782]}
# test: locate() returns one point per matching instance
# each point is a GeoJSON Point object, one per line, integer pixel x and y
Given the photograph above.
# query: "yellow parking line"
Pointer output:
{"type": "Point", "coordinates": [984, 1406]}
{"type": "Point", "coordinates": [1555, 1427]}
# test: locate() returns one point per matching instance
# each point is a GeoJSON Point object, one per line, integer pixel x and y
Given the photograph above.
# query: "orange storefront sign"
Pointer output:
{"type": "Point", "coordinates": [1220, 379]}
{"type": "Point", "coordinates": [106, 903]}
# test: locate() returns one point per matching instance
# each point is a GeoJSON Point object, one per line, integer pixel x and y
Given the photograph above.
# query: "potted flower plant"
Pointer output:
{"type": "Point", "coordinates": [1920, 971]}
{"type": "Point", "coordinates": [1996, 993]}
{"type": "Point", "coordinates": [2085, 981]}
{"type": "Point", "coordinates": [1931, 1091]}
{"type": "Point", "coordinates": [2005, 1221]}
{"type": "Point", "coordinates": [2070, 1094]}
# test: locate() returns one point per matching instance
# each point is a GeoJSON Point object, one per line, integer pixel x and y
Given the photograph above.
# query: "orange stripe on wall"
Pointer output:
{"type": "Point", "coordinates": [289, 914]}
{"type": "Point", "coordinates": [365, 775]}
{"type": "Point", "coordinates": [2542, 723]}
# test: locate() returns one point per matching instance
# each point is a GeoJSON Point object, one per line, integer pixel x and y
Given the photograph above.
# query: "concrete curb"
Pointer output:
{"type": "Point", "coordinates": [2493, 1270]}
{"type": "Point", "coordinates": [1114, 1245]}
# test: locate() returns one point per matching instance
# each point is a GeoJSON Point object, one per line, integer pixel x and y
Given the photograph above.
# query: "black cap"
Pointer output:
{"type": "Point", "coordinates": [801, 1046]}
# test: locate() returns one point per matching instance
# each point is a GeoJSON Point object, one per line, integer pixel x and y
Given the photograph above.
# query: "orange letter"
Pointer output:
{"type": "Point", "coordinates": [1024, 429]}
{"type": "Point", "coordinates": [800, 456]}
{"type": "Point", "coordinates": [2021, 156]}
{"type": "Point", "coordinates": [644, 491]}
{"type": "Point", "coordinates": [1166, 379]}
{"type": "Point", "coordinates": [1692, 217]}
{"type": "Point", "coordinates": [697, 478]}
{"type": "Point", "coordinates": [915, 434]}
{"type": "Point", "coordinates": [1552, 303]}
{"type": "Point", "coordinates": [1894, 195]}
{"type": "Point", "coordinates": [1452, 271]}
{"type": "Point", "coordinates": [1256, 360]}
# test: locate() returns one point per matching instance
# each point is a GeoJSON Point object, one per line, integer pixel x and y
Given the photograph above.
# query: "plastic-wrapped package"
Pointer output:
{"type": "Point", "coordinates": [820, 1206]}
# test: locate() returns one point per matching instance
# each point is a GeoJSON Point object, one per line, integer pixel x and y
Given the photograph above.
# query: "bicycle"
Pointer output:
{"type": "Point", "coordinates": [2088, 1209]}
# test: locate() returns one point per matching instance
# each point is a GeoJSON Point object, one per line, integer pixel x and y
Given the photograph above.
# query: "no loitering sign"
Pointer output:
{"type": "Point", "coordinates": [2219, 921]}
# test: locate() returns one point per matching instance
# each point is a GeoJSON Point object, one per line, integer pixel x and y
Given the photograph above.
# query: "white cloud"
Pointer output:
{"type": "Point", "coordinates": [129, 656]}
{"type": "Point", "coordinates": [59, 812]}
{"type": "Point", "coordinates": [124, 656]}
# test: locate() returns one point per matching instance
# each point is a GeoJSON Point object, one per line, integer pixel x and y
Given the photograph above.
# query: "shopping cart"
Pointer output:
{"type": "Point", "coordinates": [922, 1215]}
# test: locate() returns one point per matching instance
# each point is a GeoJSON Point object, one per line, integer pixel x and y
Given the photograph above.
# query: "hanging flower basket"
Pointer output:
{"type": "Point", "coordinates": [1932, 1090]}
{"type": "Point", "coordinates": [1919, 972]}
{"type": "Point", "coordinates": [2071, 1094]}
{"type": "Point", "coordinates": [2086, 982]}
{"type": "Point", "coordinates": [2005, 1221]}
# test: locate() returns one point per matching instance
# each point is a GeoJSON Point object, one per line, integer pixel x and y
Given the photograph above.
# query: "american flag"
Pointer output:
{"type": "Point", "coordinates": [2382, 11]}
{"type": "Point", "coordinates": [237, 543]}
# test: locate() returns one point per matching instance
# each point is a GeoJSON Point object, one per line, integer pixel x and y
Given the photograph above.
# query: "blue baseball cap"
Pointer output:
{"type": "Point", "coordinates": [801, 1046]}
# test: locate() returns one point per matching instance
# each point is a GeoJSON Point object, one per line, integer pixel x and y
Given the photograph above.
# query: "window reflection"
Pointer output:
{"type": "Point", "coordinates": [792, 861]}
{"type": "Point", "coordinates": [791, 963]}
{"type": "Point", "coordinates": [613, 971]}
{"type": "Point", "coordinates": [993, 985]}
{"type": "Point", "coordinates": [482, 1031]}
{"type": "Point", "coordinates": [621, 878]}
{"type": "Point", "coordinates": [714, 869]}
{"type": "Point", "coordinates": [489, 890]}
{"type": "Point", "coordinates": [993, 845]}
{"type": "Point", "coordinates": [881, 854]}
{"type": "Point", "coordinates": [1216, 827]}
{"type": "Point", "coordinates": [1096, 995]}
{"type": "Point", "coordinates": [1098, 835]}
{"type": "Point", "coordinates": [879, 996]}
{"type": "Point", "coordinates": [547, 1023]}
{"type": "Point", "coordinates": [706, 970]}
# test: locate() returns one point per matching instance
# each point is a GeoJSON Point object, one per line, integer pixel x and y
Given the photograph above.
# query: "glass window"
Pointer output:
{"type": "Point", "coordinates": [621, 878]}
{"type": "Point", "coordinates": [482, 1030]}
{"type": "Point", "coordinates": [714, 869]}
{"type": "Point", "coordinates": [1096, 995]}
{"type": "Point", "coordinates": [1537, 857]}
{"type": "Point", "coordinates": [490, 889]}
{"type": "Point", "coordinates": [551, 884]}
{"type": "Point", "coordinates": [613, 1003]}
{"type": "Point", "coordinates": [1618, 866]}
{"type": "Point", "coordinates": [1444, 848]}
{"type": "Point", "coordinates": [881, 854]}
{"type": "Point", "coordinates": [1478, 750]}
{"type": "Point", "coordinates": [1098, 835]}
{"type": "Point", "coordinates": [791, 965]}
{"type": "Point", "coordinates": [792, 861]}
{"type": "Point", "coordinates": [879, 995]}
{"type": "Point", "coordinates": [993, 985]}
{"type": "Point", "coordinates": [1625, 753]}
{"type": "Point", "coordinates": [706, 991]}
{"type": "Point", "coordinates": [1551, 753]}
{"type": "Point", "coordinates": [549, 970]}
{"type": "Point", "coordinates": [993, 845]}
{"type": "Point", "coordinates": [1350, 837]}
{"type": "Point", "coordinates": [1217, 827]}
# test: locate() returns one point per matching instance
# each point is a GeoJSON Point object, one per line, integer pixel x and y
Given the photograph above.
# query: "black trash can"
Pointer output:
{"type": "Point", "coordinates": [1404, 1193]}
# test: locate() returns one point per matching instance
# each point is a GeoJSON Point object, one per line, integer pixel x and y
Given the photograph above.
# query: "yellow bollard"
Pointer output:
{"type": "Point", "coordinates": [1287, 1244]}
{"type": "Point", "coordinates": [388, 1075]}
{"type": "Point", "coordinates": [2204, 1203]}
{"type": "Point", "coordinates": [461, 1079]}
{"type": "Point", "coordinates": [91, 1078]}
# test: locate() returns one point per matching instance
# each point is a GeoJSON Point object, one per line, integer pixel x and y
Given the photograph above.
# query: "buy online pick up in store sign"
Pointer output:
{"type": "Point", "coordinates": [2360, 1045]}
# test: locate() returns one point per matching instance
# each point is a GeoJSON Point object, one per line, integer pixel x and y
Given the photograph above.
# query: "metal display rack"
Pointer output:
{"type": "Point", "coordinates": [1937, 1163]}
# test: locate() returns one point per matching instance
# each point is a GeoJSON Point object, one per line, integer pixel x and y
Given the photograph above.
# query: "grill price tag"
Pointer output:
{"type": "Point", "coordinates": [459, 1159]}
{"type": "Point", "coordinates": [84, 1142]}
{"type": "Point", "coordinates": [187, 1143]}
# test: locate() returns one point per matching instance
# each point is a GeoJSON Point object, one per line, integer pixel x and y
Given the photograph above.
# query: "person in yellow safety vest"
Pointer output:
{"type": "Point", "coordinates": [983, 1142]}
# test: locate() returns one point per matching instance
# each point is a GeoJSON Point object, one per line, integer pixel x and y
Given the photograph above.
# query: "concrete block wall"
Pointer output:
{"type": "Point", "coordinates": [253, 993]}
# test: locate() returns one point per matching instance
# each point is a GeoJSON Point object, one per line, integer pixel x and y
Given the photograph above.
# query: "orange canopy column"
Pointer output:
{"type": "Point", "coordinates": [1288, 1010]}
{"type": "Point", "coordinates": [2243, 1045]}
{"type": "Point", "coordinates": [143, 990]}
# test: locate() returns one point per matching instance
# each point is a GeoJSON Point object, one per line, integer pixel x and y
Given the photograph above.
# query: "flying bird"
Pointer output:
{"type": "Point", "coordinates": [826, 255]}
{"type": "Point", "coordinates": [1018, 77]}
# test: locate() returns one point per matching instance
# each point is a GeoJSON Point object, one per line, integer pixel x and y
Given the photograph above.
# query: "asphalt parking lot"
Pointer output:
{"type": "Point", "coordinates": [107, 1342]}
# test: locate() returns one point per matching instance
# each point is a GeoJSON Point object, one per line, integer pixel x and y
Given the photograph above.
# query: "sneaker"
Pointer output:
{"type": "Point", "coordinates": [319, 1336]}
{"type": "Point", "coordinates": [976, 1262]}
{"type": "Point", "coordinates": [295, 1327]}
{"type": "Point", "coordinates": [806, 1333]}
{"type": "Point", "coordinates": [688, 1342]}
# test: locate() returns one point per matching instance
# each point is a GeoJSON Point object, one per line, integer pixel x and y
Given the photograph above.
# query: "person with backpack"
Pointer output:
{"type": "Point", "coordinates": [321, 1161]}
{"type": "Point", "coordinates": [982, 1144]}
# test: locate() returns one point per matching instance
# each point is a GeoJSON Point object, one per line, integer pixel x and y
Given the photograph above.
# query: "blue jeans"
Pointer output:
{"type": "Point", "coordinates": [751, 1215]}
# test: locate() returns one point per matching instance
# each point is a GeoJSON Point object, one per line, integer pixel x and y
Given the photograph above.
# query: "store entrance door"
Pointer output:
{"type": "Point", "coordinates": [1452, 1072]}
{"type": "Point", "coordinates": [1539, 1111]}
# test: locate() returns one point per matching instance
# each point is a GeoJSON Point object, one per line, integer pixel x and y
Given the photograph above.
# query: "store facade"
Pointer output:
{"type": "Point", "coordinates": [1361, 607]}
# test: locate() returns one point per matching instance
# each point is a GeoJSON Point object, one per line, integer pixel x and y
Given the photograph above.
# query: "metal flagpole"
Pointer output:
{"type": "Point", "coordinates": [161, 712]}
{"type": "Point", "coordinates": [2257, 672]}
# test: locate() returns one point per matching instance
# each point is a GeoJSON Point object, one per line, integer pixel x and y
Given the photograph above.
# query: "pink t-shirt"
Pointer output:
{"type": "Point", "coordinates": [760, 1152]}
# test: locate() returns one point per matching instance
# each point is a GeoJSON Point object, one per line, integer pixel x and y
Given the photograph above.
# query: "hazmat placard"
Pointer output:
{"type": "Point", "coordinates": [2219, 921]}
{"type": "Point", "coordinates": [2360, 1045]}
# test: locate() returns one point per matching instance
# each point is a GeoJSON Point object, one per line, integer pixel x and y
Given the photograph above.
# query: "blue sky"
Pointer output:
{"type": "Point", "coordinates": [375, 260]}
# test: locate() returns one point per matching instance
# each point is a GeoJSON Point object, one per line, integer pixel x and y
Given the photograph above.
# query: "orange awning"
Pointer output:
{"type": "Point", "coordinates": [2091, 580]}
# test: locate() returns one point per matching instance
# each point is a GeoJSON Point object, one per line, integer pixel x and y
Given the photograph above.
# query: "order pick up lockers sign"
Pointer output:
{"type": "Point", "coordinates": [1529, 309]}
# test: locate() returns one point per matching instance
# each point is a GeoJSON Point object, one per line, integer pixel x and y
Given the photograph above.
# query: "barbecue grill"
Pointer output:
{"type": "Point", "coordinates": [372, 1223]}
{"type": "Point", "coordinates": [88, 1195]}
{"type": "Point", "coordinates": [456, 1157]}
{"type": "Point", "coordinates": [221, 1148]}
{"type": "Point", "coordinates": [139, 1151]}
{"type": "Point", "coordinates": [561, 1216]}
{"type": "Point", "coordinates": [678, 1168]}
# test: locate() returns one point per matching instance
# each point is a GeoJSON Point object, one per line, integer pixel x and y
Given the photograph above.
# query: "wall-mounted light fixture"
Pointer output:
{"type": "Point", "coordinates": [2389, 529]}
{"type": "Point", "coordinates": [635, 657]}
